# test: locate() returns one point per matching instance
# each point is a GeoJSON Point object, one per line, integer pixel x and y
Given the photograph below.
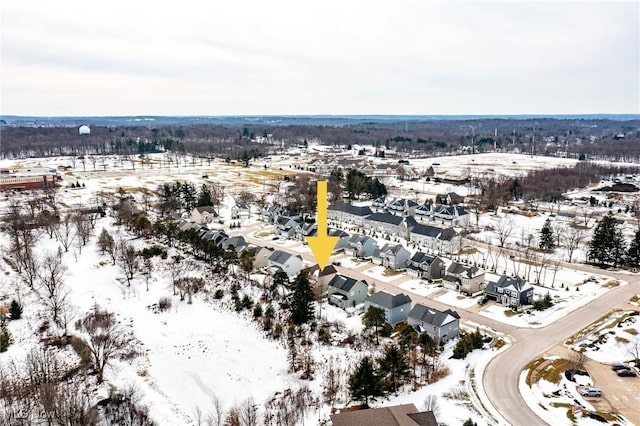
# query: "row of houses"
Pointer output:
{"type": "Point", "coordinates": [447, 212]}
{"type": "Point", "coordinates": [347, 292]}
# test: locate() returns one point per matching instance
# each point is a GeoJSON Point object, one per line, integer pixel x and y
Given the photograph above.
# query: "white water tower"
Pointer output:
{"type": "Point", "coordinates": [84, 130]}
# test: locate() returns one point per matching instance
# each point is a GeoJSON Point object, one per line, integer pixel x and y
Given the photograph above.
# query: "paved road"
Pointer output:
{"type": "Point", "coordinates": [502, 374]}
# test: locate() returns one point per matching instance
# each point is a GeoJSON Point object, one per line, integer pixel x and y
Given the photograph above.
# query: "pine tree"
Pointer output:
{"type": "Point", "coordinates": [364, 382]}
{"type": "Point", "coordinates": [607, 245]}
{"type": "Point", "coordinates": [15, 310]}
{"type": "Point", "coordinates": [301, 300]}
{"type": "Point", "coordinates": [374, 318]}
{"type": "Point", "coordinates": [393, 367]}
{"type": "Point", "coordinates": [547, 236]}
{"type": "Point", "coordinates": [204, 196]}
{"type": "Point", "coordinates": [5, 335]}
{"type": "Point", "coordinates": [633, 254]}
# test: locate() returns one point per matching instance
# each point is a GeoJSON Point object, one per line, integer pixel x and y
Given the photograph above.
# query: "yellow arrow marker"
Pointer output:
{"type": "Point", "coordinates": [322, 245]}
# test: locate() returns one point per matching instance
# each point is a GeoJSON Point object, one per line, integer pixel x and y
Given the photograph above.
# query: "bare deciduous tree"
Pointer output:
{"type": "Point", "coordinates": [106, 338]}
{"type": "Point", "coordinates": [55, 292]}
{"type": "Point", "coordinates": [572, 237]}
{"type": "Point", "coordinates": [66, 232]}
{"type": "Point", "coordinates": [504, 228]}
{"type": "Point", "coordinates": [127, 259]}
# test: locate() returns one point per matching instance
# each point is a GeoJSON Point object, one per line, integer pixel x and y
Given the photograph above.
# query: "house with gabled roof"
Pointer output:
{"type": "Point", "coordinates": [385, 223]}
{"type": "Point", "coordinates": [270, 212]}
{"type": "Point", "coordinates": [442, 326]}
{"type": "Point", "coordinates": [205, 214]}
{"type": "Point", "coordinates": [509, 291]}
{"type": "Point", "coordinates": [237, 242]}
{"type": "Point", "coordinates": [393, 256]}
{"type": "Point", "coordinates": [450, 215]}
{"type": "Point", "coordinates": [347, 292]}
{"type": "Point", "coordinates": [291, 264]}
{"type": "Point", "coordinates": [439, 240]}
{"type": "Point", "coordinates": [262, 255]}
{"type": "Point", "coordinates": [348, 213]}
{"type": "Point", "coordinates": [449, 198]}
{"type": "Point", "coordinates": [379, 204]}
{"type": "Point", "coordinates": [396, 307]}
{"type": "Point", "coordinates": [287, 227]}
{"type": "Point", "coordinates": [240, 211]}
{"type": "Point", "coordinates": [424, 211]}
{"type": "Point", "coordinates": [361, 246]}
{"type": "Point", "coordinates": [397, 415]}
{"type": "Point", "coordinates": [463, 278]}
{"type": "Point", "coordinates": [425, 266]}
{"type": "Point", "coordinates": [402, 207]}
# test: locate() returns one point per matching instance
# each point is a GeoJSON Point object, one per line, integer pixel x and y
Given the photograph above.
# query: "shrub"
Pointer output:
{"type": "Point", "coordinates": [164, 304]}
{"type": "Point", "coordinates": [218, 294]}
{"type": "Point", "coordinates": [257, 311]}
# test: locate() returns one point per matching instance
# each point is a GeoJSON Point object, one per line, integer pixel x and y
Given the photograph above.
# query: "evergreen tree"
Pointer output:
{"type": "Point", "coordinates": [469, 422]}
{"type": "Point", "coordinates": [364, 382]}
{"type": "Point", "coordinates": [188, 195]}
{"type": "Point", "coordinates": [15, 310]}
{"type": "Point", "coordinates": [393, 367]}
{"type": "Point", "coordinates": [633, 254]}
{"type": "Point", "coordinates": [547, 236]}
{"type": "Point", "coordinates": [5, 335]}
{"type": "Point", "coordinates": [204, 196]}
{"type": "Point", "coordinates": [374, 318]}
{"type": "Point", "coordinates": [301, 299]}
{"type": "Point", "coordinates": [607, 245]}
{"type": "Point", "coordinates": [280, 279]}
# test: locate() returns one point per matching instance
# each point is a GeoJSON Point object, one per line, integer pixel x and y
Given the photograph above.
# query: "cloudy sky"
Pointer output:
{"type": "Point", "coordinates": [257, 57]}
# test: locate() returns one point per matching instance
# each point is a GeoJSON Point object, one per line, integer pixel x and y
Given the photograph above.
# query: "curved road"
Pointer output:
{"type": "Point", "coordinates": [502, 374]}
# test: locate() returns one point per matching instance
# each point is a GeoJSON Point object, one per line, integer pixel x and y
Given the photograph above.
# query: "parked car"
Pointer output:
{"type": "Point", "coordinates": [625, 373]}
{"type": "Point", "coordinates": [591, 392]}
{"type": "Point", "coordinates": [615, 366]}
{"type": "Point", "coordinates": [482, 301]}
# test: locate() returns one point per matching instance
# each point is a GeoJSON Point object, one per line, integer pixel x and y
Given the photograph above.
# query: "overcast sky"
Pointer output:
{"type": "Point", "coordinates": [262, 57]}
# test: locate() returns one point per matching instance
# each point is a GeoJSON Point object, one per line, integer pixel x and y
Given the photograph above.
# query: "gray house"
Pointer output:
{"type": "Point", "coordinates": [385, 223]}
{"type": "Point", "coordinates": [361, 246]}
{"type": "Point", "coordinates": [237, 242]}
{"type": "Point", "coordinates": [441, 326]}
{"type": "Point", "coordinates": [396, 307]}
{"type": "Point", "coordinates": [287, 262]}
{"type": "Point", "coordinates": [402, 207]}
{"type": "Point", "coordinates": [348, 213]}
{"type": "Point", "coordinates": [509, 291]}
{"type": "Point", "coordinates": [425, 266]}
{"type": "Point", "coordinates": [466, 279]}
{"type": "Point", "coordinates": [440, 240]}
{"type": "Point", "coordinates": [346, 292]}
{"type": "Point", "coordinates": [393, 256]}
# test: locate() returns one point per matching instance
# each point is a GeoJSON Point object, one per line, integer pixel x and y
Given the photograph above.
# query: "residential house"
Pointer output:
{"type": "Point", "coordinates": [320, 278]}
{"type": "Point", "coordinates": [379, 204]}
{"type": "Point", "coordinates": [287, 227]}
{"type": "Point", "coordinates": [397, 415]}
{"type": "Point", "coordinates": [393, 256]}
{"type": "Point", "coordinates": [240, 211]}
{"type": "Point", "coordinates": [449, 198]}
{"type": "Point", "coordinates": [203, 215]}
{"type": "Point", "coordinates": [287, 262]}
{"type": "Point", "coordinates": [439, 240]}
{"type": "Point", "coordinates": [218, 236]}
{"type": "Point", "coordinates": [402, 207]}
{"type": "Point", "coordinates": [385, 223]}
{"type": "Point", "coordinates": [424, 211]}
{"type": "Point", "coordinates": [509, 291]}
{"type": "Point", "coordinates": [425, 266]}
{"type": "Point", "coordinates": [396, 307]}
{"type": "Point", "coordinates": [442, 326]}
{"type": "Point", "coordinates": [262, 256]}
{"type": "Point", "coordinates": [270, 212]}
{"type": "Point", "coordinates": [450, 215]}
{"type": "Point", "coordinates": [348, 213]}
{"type": "Point", "coordinates": [237, 242]}
{"type": "Point", "coordinates": [361, 246]}
{"type": "Point", "coordinates": [347, 292]}
{"type": "Point", "coordinates": [466, 279]}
